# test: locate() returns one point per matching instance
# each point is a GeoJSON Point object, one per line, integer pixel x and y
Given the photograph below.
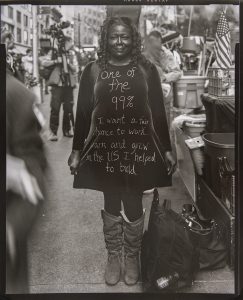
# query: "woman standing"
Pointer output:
{"type": "Point", "coordinates": [121, 143]}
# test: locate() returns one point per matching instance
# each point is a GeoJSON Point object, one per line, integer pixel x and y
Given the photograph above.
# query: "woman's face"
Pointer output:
{"type": "Point", "coordinates": [119, 41]}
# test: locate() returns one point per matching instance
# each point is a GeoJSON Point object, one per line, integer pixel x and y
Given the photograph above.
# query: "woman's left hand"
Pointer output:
{"type": "Point", "coordinates": [171, 162]}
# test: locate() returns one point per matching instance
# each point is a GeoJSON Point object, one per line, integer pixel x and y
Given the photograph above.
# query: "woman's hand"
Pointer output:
{"type": "Point", "coordinates": [171, 162]}
{"type": "Point", "coordinates": [73, 161]}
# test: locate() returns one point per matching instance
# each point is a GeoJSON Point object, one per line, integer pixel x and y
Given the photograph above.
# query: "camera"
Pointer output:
{"type": "Point", "coordinates": [56, 32]}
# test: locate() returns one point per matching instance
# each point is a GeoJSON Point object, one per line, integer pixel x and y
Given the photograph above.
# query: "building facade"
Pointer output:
{"type": "Point", "coordinates": [18, 20]}
{"type": "Point", "coordinates": [87, 22]}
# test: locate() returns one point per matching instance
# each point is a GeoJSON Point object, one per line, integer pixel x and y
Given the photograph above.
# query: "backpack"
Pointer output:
{"type": "Point", "coordinates": [167, 247]}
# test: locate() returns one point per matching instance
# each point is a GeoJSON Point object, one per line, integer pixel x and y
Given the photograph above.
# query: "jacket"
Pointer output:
{"type": "Point", "coordinates": [55, 76]}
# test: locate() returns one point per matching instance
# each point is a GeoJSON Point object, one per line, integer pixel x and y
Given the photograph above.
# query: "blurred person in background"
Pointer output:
{"type": "Point", "coordinates": [44, 73]}
{"type": "Point", "coordinates": [28, 62]}
{"type": "Point", "coordinates": [12, 62]}
{"type": "Point", "coordinates": [61, 92]}
{"type": "Point", "coordinates": [167, 66]}
{"type": "Point", "coordinates": [25, 167]}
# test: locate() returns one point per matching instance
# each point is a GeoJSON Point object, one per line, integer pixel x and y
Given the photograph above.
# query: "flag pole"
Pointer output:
{"type": "Point", "coordinates": [190, 21]}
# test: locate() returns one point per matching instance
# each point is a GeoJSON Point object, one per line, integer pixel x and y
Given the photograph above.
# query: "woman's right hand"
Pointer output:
{"type": "Point", "coordinates": [73, 161]}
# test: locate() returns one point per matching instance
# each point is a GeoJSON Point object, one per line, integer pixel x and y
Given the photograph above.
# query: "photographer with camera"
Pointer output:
{"type": "Point", "coordinates": [63, 68]}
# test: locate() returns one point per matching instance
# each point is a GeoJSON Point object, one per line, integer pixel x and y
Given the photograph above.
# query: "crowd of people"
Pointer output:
{"type": "Point", "coordinates": [120, 50]}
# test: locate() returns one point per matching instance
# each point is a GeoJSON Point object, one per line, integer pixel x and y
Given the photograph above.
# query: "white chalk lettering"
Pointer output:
{"type": "Point", "coordinates": [118, 145]}
{"type": "Point", "coordinates": [139, 146]}
{"type": "Point", "coordinates": [129, 169]}
{"type": "Point", "coordinates": [119, 120]}
{"type": "Point", "coordinates": [144, 158]}
{"type": "Point", "coordinates": [108, 75]}
{"type": "Point", "coordinates": [104, 132]}
{"type": "Point", "coordinates": [109, 169]}
{"type": "Point", "coordinates": [137, 131]}
{"type": "Point", "coordinates": [120, 131]}
{"type": "Point", "coordinates": [101, 145]}
{"type": "Point", "coordinates": [113, 155]}
{"type": "Point", "coordinates": [97, 157]}
{"type": "Point", "coordinates": [131, 72]}
{"type": "Point", "coordinates": [116, 84]}
{"type": "Point", "coordinates": [126, 102]}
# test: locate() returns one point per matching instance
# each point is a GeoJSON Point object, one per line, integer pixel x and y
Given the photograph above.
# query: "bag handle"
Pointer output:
{"type": "Point", "coordinates": [166, 204]}
{"type": "Point", "coordinates": [155, 198]}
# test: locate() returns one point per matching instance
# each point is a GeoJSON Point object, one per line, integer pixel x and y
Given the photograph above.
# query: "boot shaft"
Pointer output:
{"type": "Point", "coordinates": [133, 234]}
{"type": "Point", "coordinates": [113, 232]}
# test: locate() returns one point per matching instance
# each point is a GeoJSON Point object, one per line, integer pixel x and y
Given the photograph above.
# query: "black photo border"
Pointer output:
{"type": "Point", "coordinates": [239, 172]}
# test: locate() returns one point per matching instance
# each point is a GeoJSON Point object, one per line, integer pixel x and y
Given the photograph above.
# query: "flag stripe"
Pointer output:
{"type": "Point", "coordinates": [220, 63]}
{"type": "Point", "coordinates": [223, 40]}
{"type": "Point", "coordinates": [221, 57]}
{"type": "Point", "coordinates": [224, 51]}
{"type": "Point", "coordinates": [224, 57]}
{"type": "Point", "coordinates": [227, 37]}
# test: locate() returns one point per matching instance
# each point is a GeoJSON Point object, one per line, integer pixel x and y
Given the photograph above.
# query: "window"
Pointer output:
{"type": "Point", "coordinates": [18, 16]}
{"type": "Point", "coordinates": [10, 12]}
{"type": "Point", "coordinates": [85, 40]}
{"type": "Point", "coordinates": [19, 37]}
{"type": "Point", "coordinates": [90, 40]}
{"type": "Point", "coordinates": [41, 28]}
{"type": "Point", "coordinates": [11, 28]}
{"type": "Point", "coordinates": [26, 39]}
{"type": "Point", "coordinates": [4, 9]}
{"type": "Point", "coordinates": [26, 21]}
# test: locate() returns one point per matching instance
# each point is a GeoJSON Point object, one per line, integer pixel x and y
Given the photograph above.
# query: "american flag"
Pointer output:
{"type": "Point", "coordinates": [222, 43]}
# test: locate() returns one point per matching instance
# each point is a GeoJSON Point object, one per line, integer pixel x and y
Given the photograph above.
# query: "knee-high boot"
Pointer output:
{"type": "Point", "coordinates": [113, 233]}
{"type": "Point", "coordinates": [133, 234]}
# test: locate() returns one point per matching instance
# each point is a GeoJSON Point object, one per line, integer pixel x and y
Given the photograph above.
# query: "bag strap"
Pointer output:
{"type": "Point", "coordinates": [95, 70]}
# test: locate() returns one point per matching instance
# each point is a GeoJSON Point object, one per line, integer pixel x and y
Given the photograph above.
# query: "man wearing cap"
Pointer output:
{"type": "Point", "coordinates": [62, 86]}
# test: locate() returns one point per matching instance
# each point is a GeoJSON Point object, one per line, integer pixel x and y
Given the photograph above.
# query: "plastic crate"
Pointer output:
{"type": "Point", "coordinates": [221, 83]}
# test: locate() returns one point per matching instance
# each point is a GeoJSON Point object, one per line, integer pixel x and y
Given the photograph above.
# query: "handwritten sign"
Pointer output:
{"type": "Point", "coordinates": [124, 144]}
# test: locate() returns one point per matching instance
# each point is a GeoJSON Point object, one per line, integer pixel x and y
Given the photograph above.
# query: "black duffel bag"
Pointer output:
{"type": "Point", "coordinates": [207, 238]}
{"type": "Point", "coordinates": [167, 248]}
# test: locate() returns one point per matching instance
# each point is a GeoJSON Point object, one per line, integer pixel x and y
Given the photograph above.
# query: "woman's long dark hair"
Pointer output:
{"type": "Point", "coordinates": [103, 53]}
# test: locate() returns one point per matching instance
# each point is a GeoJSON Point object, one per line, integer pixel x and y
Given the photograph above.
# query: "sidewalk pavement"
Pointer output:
{"type": "Point", "coordinates": [66, 248]}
